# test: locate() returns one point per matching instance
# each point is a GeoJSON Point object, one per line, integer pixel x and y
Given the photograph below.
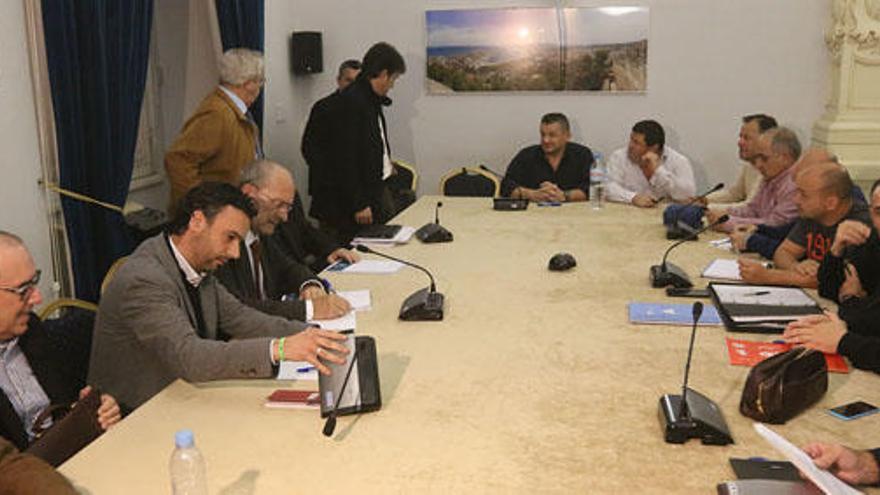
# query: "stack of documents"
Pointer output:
{"type": "Point", "coordinates": [723, 270]}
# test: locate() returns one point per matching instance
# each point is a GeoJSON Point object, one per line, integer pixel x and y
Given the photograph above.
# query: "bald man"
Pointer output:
{"type": "Point", "coordinates": [264, 274]}
{"type": "Point", "coordinates": [36, 363]}
{"type": "Point", "coordinates": [824, 199]}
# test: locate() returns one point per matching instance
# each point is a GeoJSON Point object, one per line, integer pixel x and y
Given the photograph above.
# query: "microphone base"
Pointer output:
{"type": "Point", "coordinates": [423, 305]}
{"type": "Point", "coordinates": [510, 204]}
{"type": "Point", "coordinates": [675, 232]}
{"type": "Point", "coordinates": [431, 233]}
{"type": "Point", "coordinates": [705, 420]}
{"type": "Point", "coordinates": [672, 275]}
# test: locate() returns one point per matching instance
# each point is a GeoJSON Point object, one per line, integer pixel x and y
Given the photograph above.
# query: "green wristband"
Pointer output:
{"type": "Point", "coordinates": [281, 349]}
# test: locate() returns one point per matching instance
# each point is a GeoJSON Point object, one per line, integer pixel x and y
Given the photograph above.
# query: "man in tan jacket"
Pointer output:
{"type": "Point", "coordinates": [220, 138]}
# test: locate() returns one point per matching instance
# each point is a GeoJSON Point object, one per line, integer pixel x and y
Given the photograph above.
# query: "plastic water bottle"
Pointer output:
{"type": "Point", "coordinates": [597, 181]}
{"type": "Point", "coordinates": [187, 466]}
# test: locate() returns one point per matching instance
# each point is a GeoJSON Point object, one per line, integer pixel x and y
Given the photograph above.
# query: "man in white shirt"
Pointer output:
{"type": "Point", "coordinates": [647, 171]}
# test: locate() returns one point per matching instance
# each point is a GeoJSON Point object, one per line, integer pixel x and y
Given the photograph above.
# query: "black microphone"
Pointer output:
{"type": "Point", "coordinates": [424, 304]}
{"type": "Point", "coordinates": [507, 204]}
{"type": "Point", "coordinates": [669, 274]}
{"type": "Point", "coordinates": [330, 424]}
{"type": "Point", "coordinates": [677, 230]}
{"type": "Point", "coordinates": [696, 311]}
{"type": "Point", "coordinates": [431, 233]}
{"type": "Point", "coordinates": [692, 414]}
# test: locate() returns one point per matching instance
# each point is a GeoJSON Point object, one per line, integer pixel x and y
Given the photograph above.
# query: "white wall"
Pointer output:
{"type": "Point", "coordinates": [23, 209]}
{"type": "Point", "coordinates": [709, 62]}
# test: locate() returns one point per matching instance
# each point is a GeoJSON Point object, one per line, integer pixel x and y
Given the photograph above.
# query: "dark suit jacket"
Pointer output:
{"type": "Point", "coordinates": [354, 173]}
{"type": "Point", "coordinates": [49, 354]}
{"type": "Point", "coordinates": [302, 241]}
{"type": "Point", "coordinates": [318, 138]}
{"type": "Point", "coordinates": [281, 275]}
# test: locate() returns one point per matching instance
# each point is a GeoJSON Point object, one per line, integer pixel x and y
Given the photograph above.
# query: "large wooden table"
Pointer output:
{"type": "Point", "coordinates": [534, 382]}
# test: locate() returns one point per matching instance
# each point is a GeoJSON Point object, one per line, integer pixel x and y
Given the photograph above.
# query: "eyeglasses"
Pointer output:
{"type": "Point", "coordinates": [24, 290]}
{"type": "Point", "coordinates": [277, 204]}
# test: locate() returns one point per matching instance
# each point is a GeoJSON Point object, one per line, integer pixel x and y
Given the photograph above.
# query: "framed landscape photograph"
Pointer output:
{"type": "Point", "coordinates": [537, 49]}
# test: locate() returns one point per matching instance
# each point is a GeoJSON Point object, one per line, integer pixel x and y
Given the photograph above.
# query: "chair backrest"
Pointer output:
{"type": "Point", "coordinates": [467, 181]}
{"type": "Point", "coordinates": [405, 176]}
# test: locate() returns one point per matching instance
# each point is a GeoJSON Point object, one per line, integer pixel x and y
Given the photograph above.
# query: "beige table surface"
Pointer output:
{"type": "Point", "coordinates": [534, 382]}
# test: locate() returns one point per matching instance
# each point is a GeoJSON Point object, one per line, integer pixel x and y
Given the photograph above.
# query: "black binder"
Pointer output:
{"type": "Point", "coordinates": [757, 312]}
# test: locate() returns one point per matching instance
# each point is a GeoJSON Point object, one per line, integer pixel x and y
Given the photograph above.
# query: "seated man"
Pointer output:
{"type": "Point", "coordinates": [35, 364]}
{"type": "Point", "coordinates": [777, 150]}
{"type": "Point", "coordinates": [264, 273]}
{"type": "Point", "coordinates": [850, 272]}
{"type": "Point", "coordinates": [824, 199]}
{"type": "Point", "coordinates": [853, 467]}
{"type": "Point", "coordinates": [647, 170]}
{"type": "Point", "coordinates": [555, 170]}
{"type": "Point", "coordinates": [746, 185]}
{"type": "Point", "coordinates": [829, 334]}
{"type": "Point", "coordinates": [161, 315]}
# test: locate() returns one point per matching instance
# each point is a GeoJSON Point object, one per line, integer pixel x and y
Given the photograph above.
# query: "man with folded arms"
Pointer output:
{"type": "Point", "coordinates": [163, 313]}
{"type": "Point", "coordinates": [747, 182]}
{"type": "Point", "coordinates": [36, 363]}
{"type": "Point", "coordinates": [263, 274]}
{"type": "Point", "coordinates": [647, 170]}
{"type": "Point", "coordinates": [555, 170]}
{"type": "Point", "coordinates": [777, 151]}
{"type": "Point", "coordinates": [824, 199]}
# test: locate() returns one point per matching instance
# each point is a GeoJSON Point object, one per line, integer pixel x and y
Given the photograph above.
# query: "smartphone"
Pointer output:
{"type": "Point", "coordinates": [686, 292]}
{"type": "Point", "coordinates": [338, 266]}
{"type": "Point", "coordinates": [853, 410]}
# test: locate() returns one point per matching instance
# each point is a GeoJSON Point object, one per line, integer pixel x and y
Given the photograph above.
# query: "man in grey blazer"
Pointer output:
{"type": "Point", "coordinates": [161, 315]}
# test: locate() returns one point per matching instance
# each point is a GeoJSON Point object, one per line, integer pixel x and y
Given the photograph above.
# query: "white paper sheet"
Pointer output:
{"type": "Point", "coordinates": [345, 322]}
{"type": "Point", "coordinates": [402, 237]}
{"type": "Point", "coordinates": [359, 299]}
{"type": "Point", "coordinates": [297, 370]}
{"type": "Point", "coordinates": [723, 269]}
{"type": "Point", "coordinates": [373, 266]}
{"type": "Point", "coordinates": [826, 481]}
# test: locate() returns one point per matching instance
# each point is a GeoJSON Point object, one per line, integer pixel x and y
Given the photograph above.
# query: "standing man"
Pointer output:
{"type": "Point", "coordinates": [317, 137]}
{"type": "Point", "coordinates": [264, 273]}
{"type": "Point", "coordinates": [647, 170]}
{"type": "Point", "coordinates": [37, 364]}
{"type": "Point", "coordinates": [162, 315]}
{"type": "Point", "coordinates": [353, 193]}
{"type": "Point", "coordinates": [220, 137]}
{"type": "Point", "coordinates": [746, 185]}
{"type": "Point", "coordinates": [555, 170]}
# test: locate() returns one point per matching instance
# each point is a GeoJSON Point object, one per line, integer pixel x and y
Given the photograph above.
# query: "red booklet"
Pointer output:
{"type": "Point", "coordinates": [294, 399]}
{"type": "Point", "coordinates": [750, 353]}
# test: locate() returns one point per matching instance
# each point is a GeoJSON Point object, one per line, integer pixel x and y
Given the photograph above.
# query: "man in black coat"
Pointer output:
{"type": "Point", "coordinates": [36, 363]}
{"type": "Point", "coordinates": [353, 192]}
{"type": "Point", "coordinates": [264, 276]}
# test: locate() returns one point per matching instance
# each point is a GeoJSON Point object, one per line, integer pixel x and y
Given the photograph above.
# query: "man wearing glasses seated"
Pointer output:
{"type": "Point", "coordinates": [34, 361]}
{"type": "Point", "coordinates": [264, 273]}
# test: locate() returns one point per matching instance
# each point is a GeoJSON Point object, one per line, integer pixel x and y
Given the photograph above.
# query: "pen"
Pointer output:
{"type": "Point", "coordinates": [759, 293]}
{"type": "Point", "coordinates": [305, 369]}
{"type": "Point", "coordinates": [327, 286]}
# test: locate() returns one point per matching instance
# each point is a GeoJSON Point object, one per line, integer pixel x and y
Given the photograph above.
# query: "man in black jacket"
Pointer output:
{"type": "Point", "coordinates": [264, 276]}
{"type": "Point", "coordinates": [36, 364]}
{"type": "Point", "coordinates": [318, 133]}
{"type": "Point", "coordinates": [353, 192]}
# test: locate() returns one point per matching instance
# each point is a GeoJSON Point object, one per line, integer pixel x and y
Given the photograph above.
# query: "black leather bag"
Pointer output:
{"type": "Point", "coordinates": [73, 427]}
{"type": "Point", "coordinates": [782, 386]}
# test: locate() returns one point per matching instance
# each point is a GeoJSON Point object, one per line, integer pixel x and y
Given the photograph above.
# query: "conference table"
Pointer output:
{"type": "Point", "coordinates": [534, 382]}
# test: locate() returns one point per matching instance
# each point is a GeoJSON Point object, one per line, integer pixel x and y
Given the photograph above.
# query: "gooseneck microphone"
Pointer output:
{"type": "Point", "coordinates": [696, 311]}
{"type": "Point", "coordinates": [669, 274]}
{"type": "Point", "coordinates": [431, 233]}
{"type": "Point", "coordinates": [330, 423]}
{"type": "Point", "coordinates": [692, 414]}
{"type": "Point", "coordinates": [679, 230]}
{"type": "Point", "coordinates": [424, 304]}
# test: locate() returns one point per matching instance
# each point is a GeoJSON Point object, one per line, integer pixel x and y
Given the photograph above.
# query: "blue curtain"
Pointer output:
{"type": "Point", "coordinates": [97, 54]}
{"type": "Point", "coordinates": [242, 26]}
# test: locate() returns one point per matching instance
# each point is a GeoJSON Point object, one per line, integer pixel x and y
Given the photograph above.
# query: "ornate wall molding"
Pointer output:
{"type": "Point", "coordinates": [856, 22]}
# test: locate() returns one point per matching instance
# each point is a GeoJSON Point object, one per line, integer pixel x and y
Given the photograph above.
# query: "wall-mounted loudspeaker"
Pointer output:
{"type": "Point", "coordinates": [305, 52]}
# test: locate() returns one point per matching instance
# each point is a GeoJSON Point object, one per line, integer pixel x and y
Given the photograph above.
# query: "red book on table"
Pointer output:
{"type": "Point", "coordinates": [750, 353]}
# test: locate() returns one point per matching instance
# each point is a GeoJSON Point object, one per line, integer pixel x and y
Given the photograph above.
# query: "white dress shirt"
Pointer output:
{"type": "Point", "coordinates": [18, 382]}
{"type": "Point", "coordinates": [387, 168]}
{"type": "Point", "coordinates": [673, 179]}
